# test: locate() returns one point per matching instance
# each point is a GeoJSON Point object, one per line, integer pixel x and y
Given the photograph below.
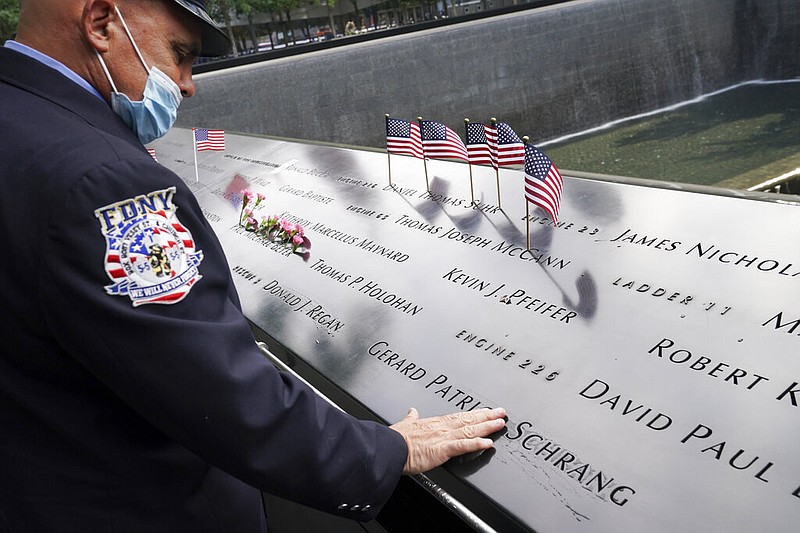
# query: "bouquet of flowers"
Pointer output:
{"type": "Point", "coordinates": [272, 228]}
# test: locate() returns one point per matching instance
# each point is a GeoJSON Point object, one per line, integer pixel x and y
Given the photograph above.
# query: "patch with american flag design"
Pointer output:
{"type": "Point", "coordinates": [150, 256]}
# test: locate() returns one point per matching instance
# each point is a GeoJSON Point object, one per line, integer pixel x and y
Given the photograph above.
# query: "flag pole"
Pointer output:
{"type": "Point", "coordinates": [497, 168]}
{"type": "Point", "coordinates": [388, 155]}
{"type": "Point", "coordinates": [527, 203]}
{"type": "Point", "coordinates": [194, 149]}
{"type": "Point", "coordinates": [469, 162]}
{"type": "Point", "coordinates": [528, 221]}
{"type": "Point", "coordinates": [424, 159]}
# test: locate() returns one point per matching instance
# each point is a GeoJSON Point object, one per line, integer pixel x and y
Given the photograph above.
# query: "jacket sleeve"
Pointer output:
{"type": "Point", "coordinates": [188, 363]}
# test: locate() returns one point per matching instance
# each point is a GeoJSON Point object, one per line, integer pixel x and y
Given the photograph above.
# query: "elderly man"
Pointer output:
{"type": "Point", "coordinates": [130, 412]}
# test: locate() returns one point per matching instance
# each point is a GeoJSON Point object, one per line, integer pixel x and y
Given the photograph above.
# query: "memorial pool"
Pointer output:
{"type": "Point", "coordinates": [734, 138]}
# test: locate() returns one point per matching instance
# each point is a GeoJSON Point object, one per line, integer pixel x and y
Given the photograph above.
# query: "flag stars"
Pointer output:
{"type": "Point", "coordinates": [496, 144]}
{"type": "Point", "coordinates": [476, 133]}
{"type": "Point", "coordinates": [543, 182]}
{"type": "Point", "coordinates": [403, 138]}
{"type": "Point", "coordinates": [537, 163]}
{"type": "Point", "coordinates": [506, 135]}
{"type": "Point", "coordinates": [398, 128]}
{"type": "Point", "coordinates": [440, 142]}
{"type": "Point", "coordinates": [433, 131]}
{"type": "Point", "coordinates": [205, 139]}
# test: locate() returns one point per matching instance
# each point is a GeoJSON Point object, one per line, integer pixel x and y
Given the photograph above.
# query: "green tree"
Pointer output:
{"type": "Point", "coordinates": [260, 6]}
{"type": "Point", "coordinates": [284, 9]}
{"type": "Point", "coordinates": [221, 10]}
{"type": "Point", "coordinates": [329, 4]}
{"type": "Point", "coordinates": [9, 16]}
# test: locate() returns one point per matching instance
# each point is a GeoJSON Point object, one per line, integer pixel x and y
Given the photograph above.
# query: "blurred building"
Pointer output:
{"type": "Point", "coordinates": [309, 23]}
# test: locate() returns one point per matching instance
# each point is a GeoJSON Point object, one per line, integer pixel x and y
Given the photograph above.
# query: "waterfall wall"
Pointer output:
{"type": "Point", "coordinates": [546, 71]}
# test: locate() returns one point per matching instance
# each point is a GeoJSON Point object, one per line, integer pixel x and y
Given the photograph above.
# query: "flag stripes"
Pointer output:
{"type": "Point", "coordinates": [205, 139]}
{"type": "Point", "coordinates": [543, 182]}
{"type": "Point", "coordinates": [481, 144]}
{"type": "Point", "coordinates": [440, 142]}
{"type": "Point", "coordinates": [403, 138]}
{"type": "Point", "coordinates": [510, 148]}
{"type": "Point", "coordinates": [495, 144]}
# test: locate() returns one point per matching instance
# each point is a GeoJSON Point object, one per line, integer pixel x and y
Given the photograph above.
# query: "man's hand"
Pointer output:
{"type": "Point", "coordinates": [432, 441]}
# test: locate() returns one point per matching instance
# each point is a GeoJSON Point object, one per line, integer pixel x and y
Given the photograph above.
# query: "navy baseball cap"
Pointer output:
{"type": "Point", "coordinates": [213, 41]}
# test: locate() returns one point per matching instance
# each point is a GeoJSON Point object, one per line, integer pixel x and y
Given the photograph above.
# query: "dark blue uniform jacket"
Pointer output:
{"type": "Point", "coordinates": [117, 417]}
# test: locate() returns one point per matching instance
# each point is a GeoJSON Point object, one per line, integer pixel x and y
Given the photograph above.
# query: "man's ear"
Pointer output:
{"type": "Point", "coordinates": [97, 16]}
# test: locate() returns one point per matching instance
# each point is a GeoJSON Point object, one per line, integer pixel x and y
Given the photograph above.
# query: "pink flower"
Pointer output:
{"type": "Point", "coordinates": [259, 198]}
{"type": "Point", "coordinates": [272, 228]}
{"type": "Point", "coordinates": [286, 226]}
{"type": "Point", "coordinates": [298, 241]}
{"type": "Point", "coordinates": [247, 197]}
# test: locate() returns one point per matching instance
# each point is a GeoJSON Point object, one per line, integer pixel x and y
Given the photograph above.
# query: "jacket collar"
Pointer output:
{"type": "Point", "coordinates": [36, 78]}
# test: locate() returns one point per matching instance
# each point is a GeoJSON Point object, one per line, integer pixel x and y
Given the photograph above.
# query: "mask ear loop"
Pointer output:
{"type": "Point", "coordinates": [105, 71]}
{"type": "Point", "coordinates": [136, 48]}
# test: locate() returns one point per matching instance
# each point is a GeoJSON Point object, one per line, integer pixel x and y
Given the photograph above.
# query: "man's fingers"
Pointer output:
{"type": "Point", "coordinates": [464, 446]}
{"type": "Point", "coordinates": [432, 441]}
{"type": "Point", "coordinates": [413, 414]}
{"type": "Point", "coordinates": [457, 420]}
{"type": "Point", "coordinates": [466, 425]}
{"type": "Point", "coordinates": [482, 429]}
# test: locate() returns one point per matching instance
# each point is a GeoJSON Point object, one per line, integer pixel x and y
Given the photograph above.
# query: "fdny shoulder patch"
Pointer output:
{"type": "Point", "coordinates": [150, 255]}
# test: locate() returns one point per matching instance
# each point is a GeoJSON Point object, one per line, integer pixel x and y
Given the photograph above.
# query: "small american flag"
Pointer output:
{"type": "Point", "coordinates": [481, 144]}
{"type": "Point", "coordinates": [510, 148]}
{"type": "Point", "coordinates": [402, 138]}
{"type": "Point", "coordinates": [543, 182]}
{"type": "Point", "coordinates": [233, 192]}
{"type": "Point", "coordinates": [440, 142]}
{"type": "Point", "coordinates": [152, 152]}
{"type": "Point", "coordinates": [205, 140]}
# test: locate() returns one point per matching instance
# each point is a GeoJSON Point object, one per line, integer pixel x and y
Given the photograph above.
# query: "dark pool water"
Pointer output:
{"type": "Point", "coordinates": [736, 137]}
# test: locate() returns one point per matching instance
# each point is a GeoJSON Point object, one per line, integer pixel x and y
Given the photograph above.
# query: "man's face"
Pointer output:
{"type": "Point", "coordinates": [168, 38]}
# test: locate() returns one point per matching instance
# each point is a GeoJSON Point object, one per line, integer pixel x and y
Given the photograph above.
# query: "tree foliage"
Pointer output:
{"type": "Point", "coordinates": [224, 10]}
{"type": "Point", "coordinates": [9, 16]}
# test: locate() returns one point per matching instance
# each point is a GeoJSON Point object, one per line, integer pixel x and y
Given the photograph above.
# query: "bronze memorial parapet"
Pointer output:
{"type": "Point", "coordinates": [646, 347]}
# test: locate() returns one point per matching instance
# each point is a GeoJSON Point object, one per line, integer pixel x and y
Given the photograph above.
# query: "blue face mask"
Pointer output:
{"type": "Point", "coordinates": [153, 115]}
